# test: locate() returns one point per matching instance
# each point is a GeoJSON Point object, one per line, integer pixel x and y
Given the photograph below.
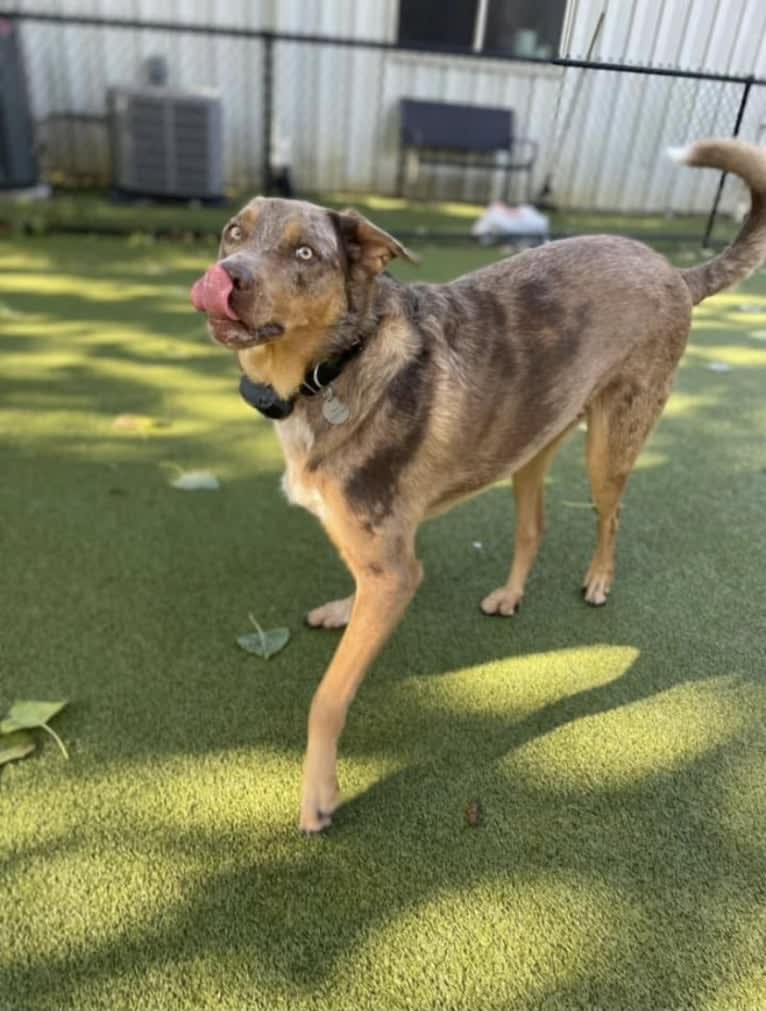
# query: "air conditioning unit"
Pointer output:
{"type": "Point", "coordinates": [18, 161]}
{"type": "Point", "coordinates": [166, 143]}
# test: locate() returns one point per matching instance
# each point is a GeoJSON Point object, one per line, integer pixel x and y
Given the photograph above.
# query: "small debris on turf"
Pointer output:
{"type": "Point", "coordinates": [751, 308]}
{"type": "Point", "coordinates": [478, 545]}
{"type": "Point", "coordinates": [473, 814]}
{"type": "Point", "coordinates": [760, 335]}
{"type": "Point", "coordinates": [719, 367]}
{"type": "Point", "coordinates": [138, 423]}
{"type": "Point", "coordinates": [196, 480]}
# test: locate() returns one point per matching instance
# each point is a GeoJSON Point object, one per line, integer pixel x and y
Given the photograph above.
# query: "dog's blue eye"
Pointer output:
{"type": "Point", "coordinates": [304, 252]}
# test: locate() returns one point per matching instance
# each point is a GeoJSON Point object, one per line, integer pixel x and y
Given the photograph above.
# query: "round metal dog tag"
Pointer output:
{"type": "Point", "coordinates": [334, 410]}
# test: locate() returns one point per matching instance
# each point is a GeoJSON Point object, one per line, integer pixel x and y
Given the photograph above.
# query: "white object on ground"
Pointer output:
{"type": "Point", "coordinates": [719, 367]}
{"type": "Point", "coordinates": [500, 220]}
{"type": "Point", "coordinates": [760, 335]}
{"type": "Point", "coordinates": [196, 480]}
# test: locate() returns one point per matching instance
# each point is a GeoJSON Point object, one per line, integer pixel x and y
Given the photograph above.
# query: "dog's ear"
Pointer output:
{"type": "Point", "coordinates": [366, 245]}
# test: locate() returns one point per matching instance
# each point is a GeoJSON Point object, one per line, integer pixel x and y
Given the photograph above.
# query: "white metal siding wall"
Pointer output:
{"type": "Point", "coordinates": [339, 105]}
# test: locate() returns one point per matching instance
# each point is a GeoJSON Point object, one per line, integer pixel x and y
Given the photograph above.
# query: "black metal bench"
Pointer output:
{"type": "Point", "coordinates": [466, 136]}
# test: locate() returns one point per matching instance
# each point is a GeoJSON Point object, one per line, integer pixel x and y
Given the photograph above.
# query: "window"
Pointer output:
{"type": "Point", "coordinates": [433, 22]}
{"type": "Point", "coordinates": [521, 28]}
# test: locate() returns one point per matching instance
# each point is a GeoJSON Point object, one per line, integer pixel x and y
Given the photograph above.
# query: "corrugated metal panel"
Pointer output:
{"type": "Point", "coordinates": [339, 106]}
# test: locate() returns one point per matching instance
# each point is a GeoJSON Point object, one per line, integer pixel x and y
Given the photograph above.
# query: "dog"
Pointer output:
{"type": "Point", "coordinates": [394, 401]}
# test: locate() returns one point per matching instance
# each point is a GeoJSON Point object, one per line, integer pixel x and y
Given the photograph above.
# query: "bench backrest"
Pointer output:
{"type": "Point", "coordinates": [449, 125]}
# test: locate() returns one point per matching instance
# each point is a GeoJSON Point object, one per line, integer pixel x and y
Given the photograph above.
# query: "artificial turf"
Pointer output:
{"type": "Point", "coordinates": [618, 755]}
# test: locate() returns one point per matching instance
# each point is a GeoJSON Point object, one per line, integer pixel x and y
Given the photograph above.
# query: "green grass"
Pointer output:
{"type": "Point", "coordinates": [618, 754]}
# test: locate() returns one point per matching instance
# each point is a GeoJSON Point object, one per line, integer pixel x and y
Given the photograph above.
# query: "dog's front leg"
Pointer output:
{"type": "Point", "coordinates": [387, 577]}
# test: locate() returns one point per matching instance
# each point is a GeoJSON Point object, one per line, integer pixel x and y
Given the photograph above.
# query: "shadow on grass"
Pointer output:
{"type": "Point", "coordinates": [127, 597]}
{"type": "Point", "coordinates": [652, 851]}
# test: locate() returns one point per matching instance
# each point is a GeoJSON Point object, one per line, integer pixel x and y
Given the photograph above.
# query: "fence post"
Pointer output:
{"type": "Point", "coordinates": [268, 110]}
{"type": "Point", "coordinates": [735, 132]}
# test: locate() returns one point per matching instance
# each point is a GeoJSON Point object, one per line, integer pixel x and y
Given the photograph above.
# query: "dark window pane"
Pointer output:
{"type": "Point", "coordinates": [524, 27]}
{"type": "Point", "coordinates": [436, 23]}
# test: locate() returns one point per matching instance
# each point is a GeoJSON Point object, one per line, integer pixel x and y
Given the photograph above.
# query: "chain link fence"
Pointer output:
{"type": "Point", "coordinates": [328, 109]}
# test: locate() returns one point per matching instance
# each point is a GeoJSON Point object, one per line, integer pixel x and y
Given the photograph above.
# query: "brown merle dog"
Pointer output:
{"type": "Point", "coordinates": [428, 393]}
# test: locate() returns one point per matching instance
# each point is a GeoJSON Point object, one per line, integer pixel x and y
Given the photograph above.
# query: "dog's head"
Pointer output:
{"type": "Point", "coordinates": [287, 267]}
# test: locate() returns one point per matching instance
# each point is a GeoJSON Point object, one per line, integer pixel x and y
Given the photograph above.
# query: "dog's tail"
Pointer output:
{"type": "Point", "coordinates": [748, 250]}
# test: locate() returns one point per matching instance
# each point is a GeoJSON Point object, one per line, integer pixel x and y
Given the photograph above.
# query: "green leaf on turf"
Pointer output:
{"type": "Point", "coordinates": [15, 745]}
{"type": "Point", "coordinates": [26, 714]}
{"type": "Point", "coordinates": [264, 643]}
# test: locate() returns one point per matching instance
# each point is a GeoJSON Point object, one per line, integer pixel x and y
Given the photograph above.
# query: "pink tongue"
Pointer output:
{"type": "Point", "coordinates": [211, 293]}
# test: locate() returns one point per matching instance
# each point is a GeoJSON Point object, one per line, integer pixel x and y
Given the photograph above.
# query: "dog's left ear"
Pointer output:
{"type": "Point", "coordinates": [366, 245]}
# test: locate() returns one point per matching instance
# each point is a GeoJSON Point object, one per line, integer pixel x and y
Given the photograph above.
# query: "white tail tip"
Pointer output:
{"type": "Point", "coordinates": [679, 154]}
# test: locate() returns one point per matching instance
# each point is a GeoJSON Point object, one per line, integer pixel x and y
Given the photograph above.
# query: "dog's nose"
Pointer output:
{"type": "Point", "coordinates": [240, 272]}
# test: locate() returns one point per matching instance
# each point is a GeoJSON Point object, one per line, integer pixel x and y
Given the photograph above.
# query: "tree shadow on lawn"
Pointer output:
{"type": "Point", "coordinates": [641, 864]}
{"type": "Point", "coordinates": [655, 899]}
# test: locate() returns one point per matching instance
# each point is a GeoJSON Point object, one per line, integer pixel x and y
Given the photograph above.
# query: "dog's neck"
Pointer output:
{"type": "Point", "coordinates": [284, 364]}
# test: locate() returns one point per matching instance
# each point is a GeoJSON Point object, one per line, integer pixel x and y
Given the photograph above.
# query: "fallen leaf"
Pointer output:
{"type": "Point", "coordinates": [28, 713]}
{"type": "Point", "coordinates": [264, 642]}
{"type": "Point", "coordinates": [196, 480]}
{"type": "Point", "coordinates": [6, 312]}
{"type": "Point", "coordinates": [15, 745]}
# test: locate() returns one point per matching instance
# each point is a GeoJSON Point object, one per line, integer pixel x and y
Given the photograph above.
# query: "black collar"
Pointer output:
{"type": "Point", "coordinates": [264, 398]}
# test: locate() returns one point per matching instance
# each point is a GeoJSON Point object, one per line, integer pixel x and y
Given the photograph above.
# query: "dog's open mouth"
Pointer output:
{"type": "Point", "coordinates": [212, 294]}
{"type": "Point", "coordinates": [234, 334]}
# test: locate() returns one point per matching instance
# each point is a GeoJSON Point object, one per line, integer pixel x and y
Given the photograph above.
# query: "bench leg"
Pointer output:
{"type": "Point", "coordinates": [400, 172]}
{"type": "Point", "coordinates": [507, 195]}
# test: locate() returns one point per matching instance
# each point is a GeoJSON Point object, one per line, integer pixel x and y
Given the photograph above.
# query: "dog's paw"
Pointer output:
{"type": "Point", "coordinates": [318, 806]}
{"type": "Point", "coordinates": [336, 614]}
{"type": "Point", "coordinates": [596, 586]}
{"type": "Point", "coordinates": [502, 601]}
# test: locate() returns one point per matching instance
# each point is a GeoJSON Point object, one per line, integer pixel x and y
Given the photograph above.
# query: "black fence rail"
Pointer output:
{"type": "Point", "coordinates": [325, 112]}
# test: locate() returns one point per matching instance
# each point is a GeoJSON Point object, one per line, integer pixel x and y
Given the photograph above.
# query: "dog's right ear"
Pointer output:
{"type": "Point", "coordinates": [367, 246]}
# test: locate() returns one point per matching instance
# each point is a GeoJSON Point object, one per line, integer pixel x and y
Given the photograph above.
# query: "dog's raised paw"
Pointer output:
{"type": "Point", "coordinates": [502, 602]}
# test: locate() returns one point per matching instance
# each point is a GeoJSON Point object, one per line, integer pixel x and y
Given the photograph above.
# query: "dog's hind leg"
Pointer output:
{"type": "Point", "coordinates": [620, 420]}
{"type": "Point", "coordinates": [528, 491]}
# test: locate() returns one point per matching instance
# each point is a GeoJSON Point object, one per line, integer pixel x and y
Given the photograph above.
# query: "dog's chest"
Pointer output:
{"type": "Point", "coordinates": [300, 489]}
